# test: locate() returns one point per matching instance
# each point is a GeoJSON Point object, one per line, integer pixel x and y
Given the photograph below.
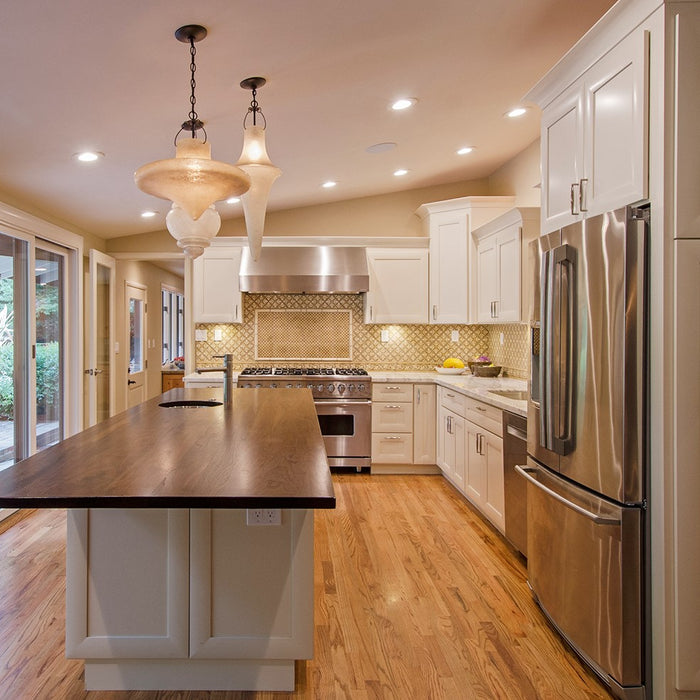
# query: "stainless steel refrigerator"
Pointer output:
{"type": "Point", "coordinates": [586, 491]}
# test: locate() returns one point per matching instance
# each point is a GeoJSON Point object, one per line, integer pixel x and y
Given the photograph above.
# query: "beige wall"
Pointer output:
{"type": "Point", "coordinates": [152, 278]}
{"type": "Point", "coordinates": [520, 176]}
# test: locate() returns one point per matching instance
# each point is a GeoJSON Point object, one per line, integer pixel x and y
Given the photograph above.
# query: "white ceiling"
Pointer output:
{"type": "Point", "coordinates": [110, 76]}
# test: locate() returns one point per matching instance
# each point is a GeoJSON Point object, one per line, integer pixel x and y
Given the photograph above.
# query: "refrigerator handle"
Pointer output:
{"type": "Point", "coordinates": [558, 308]}
{"type": "Point", "coordinates": [527, 473]}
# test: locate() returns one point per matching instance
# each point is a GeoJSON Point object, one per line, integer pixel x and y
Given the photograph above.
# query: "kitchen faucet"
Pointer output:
{"type": "Point", "coordinates": [226, 369]}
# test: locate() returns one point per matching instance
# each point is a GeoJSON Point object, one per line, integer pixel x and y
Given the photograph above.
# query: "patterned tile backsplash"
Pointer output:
{"type": "Point", "coordinates": [326, 328]}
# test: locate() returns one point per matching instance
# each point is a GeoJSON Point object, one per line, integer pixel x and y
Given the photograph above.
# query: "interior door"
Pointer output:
{"type": "Point", "coordinates": [99, 373]}
{"type": "Point", "coordinates": [136, 343]}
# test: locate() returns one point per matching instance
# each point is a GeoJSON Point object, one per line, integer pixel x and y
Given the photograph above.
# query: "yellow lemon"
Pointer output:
{"type": "Point", "coordinates": [453, 362]}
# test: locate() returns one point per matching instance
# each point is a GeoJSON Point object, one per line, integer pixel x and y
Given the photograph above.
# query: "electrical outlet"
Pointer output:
{"type": "Point", "coordinates": [218, 334]}
{"type": "Point", "coordinates": [263, 516]}
{"type": "Point", "coordinates": [455, 336]}
{"type": "Point", "coordinates": [200, 334]}
{"type": "Point", "coordinates": [502, 339]}
{"type": "Point", "coordinates": [384, 335]}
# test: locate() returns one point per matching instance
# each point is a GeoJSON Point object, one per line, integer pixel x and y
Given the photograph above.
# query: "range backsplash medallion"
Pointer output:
{"type": "Point", "coordinates": [320, 328]}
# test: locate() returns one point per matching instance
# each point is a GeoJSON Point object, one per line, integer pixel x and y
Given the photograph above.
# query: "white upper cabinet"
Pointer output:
{"type": "Point", "coordinates": [501, 255]}
{"type": "Point", "coordinates": [594, 138]}
{"type": "Point", "coordinates": [398, 285]}
{"type": "Point", "coordinates": [216, 294]}
{"type": "Point", "coordinates": [448, 224]}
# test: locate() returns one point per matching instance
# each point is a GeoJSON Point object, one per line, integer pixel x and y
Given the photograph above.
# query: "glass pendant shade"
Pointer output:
{"type": "Point", "coordinates": [192, 180]}
{"type": "Point", "coordinates": [256, 163]}
{"type": "Point", "coordinates": [193, 235]}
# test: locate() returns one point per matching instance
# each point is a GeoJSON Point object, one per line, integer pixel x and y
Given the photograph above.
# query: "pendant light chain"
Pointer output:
{"type": "Point", "coordinates": [193, 84]}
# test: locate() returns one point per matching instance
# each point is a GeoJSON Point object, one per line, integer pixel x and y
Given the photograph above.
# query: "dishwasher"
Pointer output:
{"type": "Point", "coordinates": [515, 452]}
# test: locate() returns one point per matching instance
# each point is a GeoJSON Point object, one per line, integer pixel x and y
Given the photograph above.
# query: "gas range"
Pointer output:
{"type": "Point", "coordinates": [324, 382]}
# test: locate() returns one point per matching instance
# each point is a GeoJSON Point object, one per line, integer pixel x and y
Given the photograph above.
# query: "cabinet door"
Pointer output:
{"type": "Point", "coordinates": [245, 605]}
{"type": "Point", "coordinates": [398, 283]}
{"type": "Point", "coordinates": [449, 279]}
{"type": "Point", "coordinates": [562, 158]}
{"type": "Point", "coordinates": [127, 583]}
{"type": "Point", "coordinates": [507, 305]}
{"type": "Point", "coordinates": [215, 286]}
{"type": "Point", "coordinates": [616, 127]}
{"type": "Point", "coordinates": [424, 403]}
{"type": "Point", "coordinates": [476, 475]}
{"type": "Point", "coordinates": [487, 279]}
{"type": "Point", "coordinates": [494, 501]}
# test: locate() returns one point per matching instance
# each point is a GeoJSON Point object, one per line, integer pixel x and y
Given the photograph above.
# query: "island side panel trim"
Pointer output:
{"type": "Point", "coordinates": [118, 563]}
{"type": "Point", "coordinates": [274, 564]}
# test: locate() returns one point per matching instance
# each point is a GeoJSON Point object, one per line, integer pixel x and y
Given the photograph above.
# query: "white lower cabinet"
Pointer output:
{"type": "Point", "coordinates": [181, 599]}
{"type": "Point", "coordinates": [403, 424]}
{"type": "Point", "coordinates": [470, 451]}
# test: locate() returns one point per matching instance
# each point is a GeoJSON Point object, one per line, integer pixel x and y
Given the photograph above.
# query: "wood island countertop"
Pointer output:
{"type": "Point", "coordinates": [265, 451]}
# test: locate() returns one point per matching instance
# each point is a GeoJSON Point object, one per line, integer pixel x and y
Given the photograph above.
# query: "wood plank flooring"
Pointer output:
{"type": "Point", "coordinates": [416, 598]}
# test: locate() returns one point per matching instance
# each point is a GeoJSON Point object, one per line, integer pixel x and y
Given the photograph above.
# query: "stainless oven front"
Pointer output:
{"type": "Point", "coordinates": [346, 426]}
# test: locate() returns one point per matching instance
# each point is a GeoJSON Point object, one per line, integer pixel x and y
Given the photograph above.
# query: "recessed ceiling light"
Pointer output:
{"type": "Point", "coordinates": [404, 103]}
{"type": "Point", "coordinates": [88, 156]}
{"type": "Point", "coordinates": [148, 214]}
{"type": "Point", "coordinates": [328, 184]}
{"type": "Point", "coordinates": [233, 200]}
{"type": "Point", "coordinates": [464, 151]}
{"type": "Point", "coordinates": [381, 147]}
{"type": "Point", "coordinates": [517, 112]}
{"type": "Point", "coordinates": [400, 172]}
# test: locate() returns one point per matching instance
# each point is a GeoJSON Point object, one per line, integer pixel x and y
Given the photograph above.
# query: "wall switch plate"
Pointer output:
{"type": "Point", "coordinates": [455, 336]}
{"type": "Point", "coordinates": [263, 516]}
{"type": "Point", "coordinates": [116, 346]}
{"type": "Point", "coordinates": [218, 335]}
{"type": "Point", "coordinates": [384, 336]}
{"type": "Point", "coordinates": [502, 339]}
{"type": "Point", "coordinates": [200, 334]}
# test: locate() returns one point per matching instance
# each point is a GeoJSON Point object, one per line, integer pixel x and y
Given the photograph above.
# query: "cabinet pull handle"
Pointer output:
{"type": "Point", "coordinates": [235, 313]}
{"type": "Point", "coordinates": [392, 406]}
{"type": "Point", "coordinates": [583, 194]}
{"type": "Point", "coordinates": [371, 312]}
{"type": "Point", "coordinates": [392, 388]}
{"type": "Point", "coordinates": [479, 408]}
{"type": "Point", "coordinates": [451, 396]}
{"type": "Point", "coordinates": [434, 312]}
{"type": "Point", "coordinates": [418, 397]}
{"type": "Point", "coordinates": [575, 199]}
{"type": "Point", "coordinates": [392, 437]}
{"type": "Point", "coordinates": [449, 425]}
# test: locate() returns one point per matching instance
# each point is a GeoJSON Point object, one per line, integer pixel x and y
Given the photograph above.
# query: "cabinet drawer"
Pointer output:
{"type": "Point", "coordinates": [388, 416]}
{"type": "Point", "coordinates": [453, 401]}
{"type": "Point", "coordinates": [485, 416]}
{"type": "Point", "coordinates": [392, 392]}
{"type": "Point", "coordinates": [392, 448]}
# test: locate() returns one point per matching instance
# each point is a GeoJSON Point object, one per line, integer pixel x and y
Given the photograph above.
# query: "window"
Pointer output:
{"type": "Point", "coordinates": [173, 324]}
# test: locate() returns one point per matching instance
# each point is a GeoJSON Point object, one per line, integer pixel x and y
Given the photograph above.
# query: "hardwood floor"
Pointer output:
{"type": "Point", "coordinates": [416, 598]}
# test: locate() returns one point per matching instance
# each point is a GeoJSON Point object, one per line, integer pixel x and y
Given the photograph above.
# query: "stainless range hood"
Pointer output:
{"type": "Point", "coordinates": [305, 270]}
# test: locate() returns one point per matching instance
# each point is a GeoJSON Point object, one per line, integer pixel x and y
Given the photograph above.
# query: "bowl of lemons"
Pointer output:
{"type": "Point", "coordinates": [452, 365]}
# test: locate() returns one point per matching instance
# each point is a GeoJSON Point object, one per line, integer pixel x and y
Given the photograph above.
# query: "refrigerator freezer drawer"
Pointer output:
{"type": "Point", "coordinates": [584, 567]}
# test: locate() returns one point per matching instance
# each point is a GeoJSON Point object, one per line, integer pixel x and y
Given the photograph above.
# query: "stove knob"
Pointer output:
{"type": "Point", "coordinates": [309, 386]}
{"type": "Point", "coordinates": [319, 387]}
{"type": "Point", "coordinates": [351, 388]}
{"type": "Point", "coordinates": [258, 385]}
{"type": "Point", "coordinates": [360, 387]}
{"type": "Point", "coordinates": [247, 385]}
{"type": "Point", "coordinates": [331, 388]}
{"type": "Point", "coordinates": [341, 388]}
{"type": "Point", "coordinates": [273, 385]}
{"type": "Point", "coordinates": [299, 385]}
{"type": "Point", "coordinates": [290, 386]}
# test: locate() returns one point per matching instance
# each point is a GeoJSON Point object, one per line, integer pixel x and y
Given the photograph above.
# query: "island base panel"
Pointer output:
{"type": "Point", "coordinates": [191, 674]}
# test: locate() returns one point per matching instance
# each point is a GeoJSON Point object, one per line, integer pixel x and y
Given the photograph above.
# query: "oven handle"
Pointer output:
{"type": "Point", "coordinates": [344, 402]}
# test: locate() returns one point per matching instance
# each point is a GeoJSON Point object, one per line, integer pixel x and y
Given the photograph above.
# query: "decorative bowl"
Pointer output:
{"type": "Point", "coordinates": [450, 370]}
{"type": "Point", "coordinates": [487, 370]}
{"type": "Point", "coordinates": [476, 363]}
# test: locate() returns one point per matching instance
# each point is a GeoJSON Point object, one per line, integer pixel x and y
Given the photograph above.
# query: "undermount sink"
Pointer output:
{"type": "Point", "coordinates": [190, 403]}
{"type": "Point", "coordinates": [515, 394]}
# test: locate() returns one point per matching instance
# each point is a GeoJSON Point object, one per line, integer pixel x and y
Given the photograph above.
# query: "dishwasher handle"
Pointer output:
{"type": "Point", "coordinates": [527, 473]}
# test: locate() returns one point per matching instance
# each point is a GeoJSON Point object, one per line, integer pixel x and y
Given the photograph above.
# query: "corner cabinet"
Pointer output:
{"type": "Point", "coordinates": [398, 285]}
{"type": "Point", "coordinates": [448, 224]}
{"type": "Point", "coordinates": [499, 285]}
{"type": "Point", "coordinates": [470, 451]}
{"type": "Point", "coordinates": [594, 138]}
{"type": "Point", "coordinates": [403, 427]}
{"type": "Point", "coordinates": [216, 293]}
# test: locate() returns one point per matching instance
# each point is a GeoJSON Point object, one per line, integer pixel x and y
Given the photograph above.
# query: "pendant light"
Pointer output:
{"type": "Point", "coordinates": [192, 181]}
{"type": "Point", "coordinates": [256, 163]}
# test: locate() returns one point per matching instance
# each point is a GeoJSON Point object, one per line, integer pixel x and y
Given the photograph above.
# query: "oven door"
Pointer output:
{"type": "Point", "coordinates": [346, 426]}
